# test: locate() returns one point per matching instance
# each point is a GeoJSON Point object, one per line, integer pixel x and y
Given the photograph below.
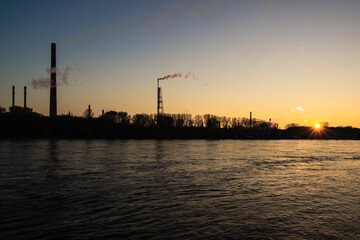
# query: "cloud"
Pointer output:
{"type": "Point", "coordinates": [300, 109]}
{"type": "Point", "coordinates": [297, 109]}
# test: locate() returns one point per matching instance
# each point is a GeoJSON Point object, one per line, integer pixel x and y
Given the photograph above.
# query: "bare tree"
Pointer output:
{"type": "Point", "coordinates": [225, 122]}
{"type": "Point", "coordinates": [198, 121]}
{"type": "Point", "coordinates": [188, 120]}
{"type": "Point", "coordinates": [245, 122]}
{"type": "Point", "coordinates": [211, 121]}
{"type": "Point", "coordinates": [88, 113]}
{"type": "Point", "coordinates": [165, 120]}
{"type": "Point", "coordinates": [179, 120]}
{"type": "Point", "coordinates": [142, 120]}
{"type": "Point", "coordinates": [123, 118]}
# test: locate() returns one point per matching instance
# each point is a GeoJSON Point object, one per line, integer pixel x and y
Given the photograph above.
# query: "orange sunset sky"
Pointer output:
{"type": "Point", "coordinates": [291, 61]}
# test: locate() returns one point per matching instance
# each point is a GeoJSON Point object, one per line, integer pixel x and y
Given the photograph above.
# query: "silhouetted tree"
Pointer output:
{"type": "Point", "coordinates": [88, 113]}
{"type": "Point", "coordinates": [182, 120]}
{"type": "Point", "coordinates": [245, 122]}
{"type": "Point", "coordinates": [235, 122]}
{"type": "Point", "coordinates": [179, 120]}
{"type": "Point", "coordinates": [2, 110]}
{"type": "Point", "coordinates": [262, 125]}
{"type": "Point", "coordinates": [110, 115]}
{"type": "Point", "coordinates": [225, 122]}
{"type": "Point", "coordinates": [211, 121]}
{"type": "Point", "coordinates": [165, 121]}
{"type": "Point", "coordinates": [290, 125]}
{"type": "Point", "coordinates": [124, 118]}
{"type": "Point", "coordinates": [188, 120]}
{"type": "Point", "coordinates": [117, 117]}
{"type": "Point", "coordinates": [325, 124]}
{"type": "Point", "coordinates": [198, 121]}
{"type": "Point", "coordinates": [142, 120]}
{"type": "Point", "coordinates": [274, 125]}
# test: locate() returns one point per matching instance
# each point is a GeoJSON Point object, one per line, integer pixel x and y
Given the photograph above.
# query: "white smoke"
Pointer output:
{"type": "Point", "coordinates": [63, 75]}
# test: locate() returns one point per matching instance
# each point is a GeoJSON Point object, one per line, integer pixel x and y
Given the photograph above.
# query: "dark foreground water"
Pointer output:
{"type": "Point", "coordinates": [95, 189]}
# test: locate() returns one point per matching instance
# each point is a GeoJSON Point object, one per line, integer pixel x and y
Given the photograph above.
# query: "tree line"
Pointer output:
{"type": "Point", "coordinates": [24, 123]}
{"type": "Point", "coordinates": [182, 120]}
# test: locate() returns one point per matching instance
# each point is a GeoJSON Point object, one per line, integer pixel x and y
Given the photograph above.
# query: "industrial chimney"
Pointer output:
{"type": "Point", "coordinates": [160, 106]}
{"type": "Point", "coordinates": [13, 96]}
{"type": "Point", "coordinates": [24, 96]}
{"type": "Point", "coordinates": [250, 119]}
{"type": "Point", "coordinates": [53, 110]}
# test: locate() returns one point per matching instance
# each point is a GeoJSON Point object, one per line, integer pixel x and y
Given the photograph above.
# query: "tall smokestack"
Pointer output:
{"type": "Point", "coordinates": [160, 106]}
{"type": "Point", "coordinates": [53, 110]}
{"type": "Point", "coordinates": [13, 96]}
{"type": "Point", "coordinates": [24, 96]}
{"type": "Point", "coordinates": [250, 119]}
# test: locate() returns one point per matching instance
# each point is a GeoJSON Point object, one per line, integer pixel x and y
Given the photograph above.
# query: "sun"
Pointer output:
{"type": "Point", "coordinates": [318, 131]}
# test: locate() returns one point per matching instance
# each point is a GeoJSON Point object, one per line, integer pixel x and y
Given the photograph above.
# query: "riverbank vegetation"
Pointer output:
{"type": "Point", "coordinates": [22, 123]}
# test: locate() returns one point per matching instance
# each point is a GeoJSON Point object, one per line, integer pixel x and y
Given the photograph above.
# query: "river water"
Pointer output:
{"type": "Point", "coordinates": [179, 189]}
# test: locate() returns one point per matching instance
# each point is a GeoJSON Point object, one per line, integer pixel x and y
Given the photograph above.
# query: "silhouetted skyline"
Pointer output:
{"type": "Point", "coordinates": [293, 62]}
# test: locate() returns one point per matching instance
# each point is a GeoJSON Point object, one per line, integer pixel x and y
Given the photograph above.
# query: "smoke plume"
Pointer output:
{"type": "Point", "coordinates": [176, 75]}
{"type": "Point", "coordinates": [64, 75]}
{"type": "Point", "coordinates": [191, 75]}
{"type": "Point", "coordinates": [39, 83]}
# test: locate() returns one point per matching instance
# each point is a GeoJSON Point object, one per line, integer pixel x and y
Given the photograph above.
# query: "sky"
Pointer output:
{"type": "Point", "coordinates": [291, 61]}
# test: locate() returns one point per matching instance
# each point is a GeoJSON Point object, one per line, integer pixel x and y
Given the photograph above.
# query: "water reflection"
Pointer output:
{"type": "Point", "coordinates": [53, 159]}
{"type": "Point", "coordinates": [159, 150]}
{"type": "Point", "coordinates": [179, 189]}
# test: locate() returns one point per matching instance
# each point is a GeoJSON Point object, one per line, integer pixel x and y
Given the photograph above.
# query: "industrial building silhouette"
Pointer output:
{"type": "Point", "coordinates": [53, 106]}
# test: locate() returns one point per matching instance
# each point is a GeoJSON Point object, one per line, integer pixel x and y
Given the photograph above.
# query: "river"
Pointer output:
{"type": "Point", "coordinates": [179, 189]}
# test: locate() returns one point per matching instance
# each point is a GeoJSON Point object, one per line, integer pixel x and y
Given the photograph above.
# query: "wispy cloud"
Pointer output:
{"type": "Point", "coordinates": [299, 108]}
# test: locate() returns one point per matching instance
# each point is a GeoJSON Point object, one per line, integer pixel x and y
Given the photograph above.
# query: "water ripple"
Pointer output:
{"type": "Point", "coordinates": [97, 189]}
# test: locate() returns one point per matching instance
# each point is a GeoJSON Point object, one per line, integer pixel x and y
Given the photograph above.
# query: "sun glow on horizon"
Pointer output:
{"type": "Point", "coordinates": [317, 126]}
